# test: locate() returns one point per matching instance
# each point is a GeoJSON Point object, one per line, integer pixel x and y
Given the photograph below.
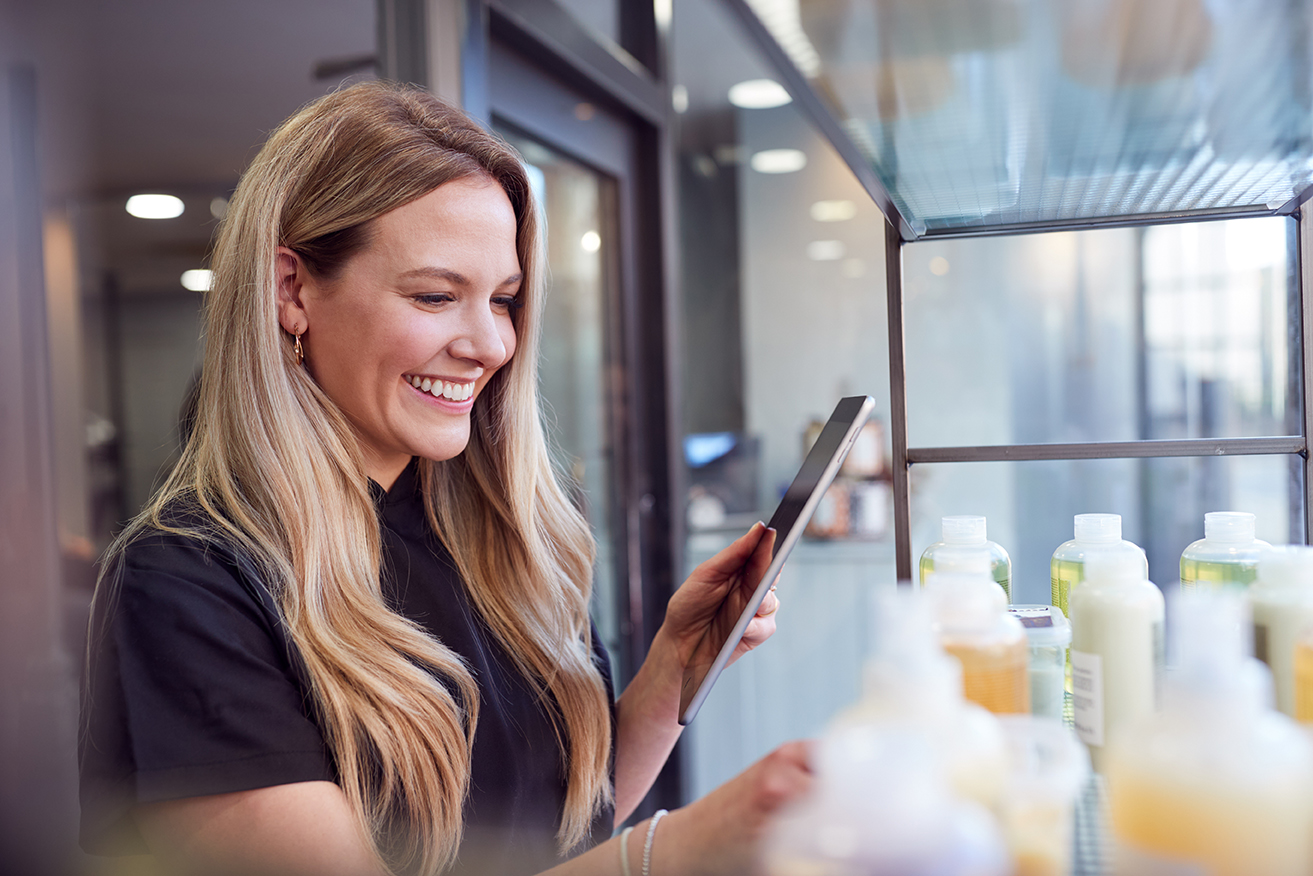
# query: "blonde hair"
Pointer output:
{"type": "Point", "coordinates": [276, 468]}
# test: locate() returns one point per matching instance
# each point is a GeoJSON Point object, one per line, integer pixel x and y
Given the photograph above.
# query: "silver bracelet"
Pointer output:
{"type": "Point", "coordinates": [647, 846]}
{"type": "Point", "coordinates": [624, 850]}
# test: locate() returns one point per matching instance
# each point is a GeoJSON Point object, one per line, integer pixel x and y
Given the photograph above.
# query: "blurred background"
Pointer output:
{"type": "Point", "coordinates": [716, 176]}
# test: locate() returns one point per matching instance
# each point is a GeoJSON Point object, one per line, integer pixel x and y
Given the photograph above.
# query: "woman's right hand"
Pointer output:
{"type": "Point", "coordinates": [722, 832]}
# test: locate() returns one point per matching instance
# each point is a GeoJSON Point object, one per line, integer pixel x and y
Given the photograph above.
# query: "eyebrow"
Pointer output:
{"type": "Point", "coordinates": [453, 276]}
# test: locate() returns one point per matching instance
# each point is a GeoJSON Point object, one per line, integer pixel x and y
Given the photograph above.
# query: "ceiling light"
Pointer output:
{"type": "Point", "coordinates": [779, 160]}
{"type": "Point", "coordinates": [826, 250]}
{"type": "Point", "coordinates": [939, 266]}
{"type": "Point", "coordinates": [198, 280]}
{"type": "Point", "coordinates": [154, 206]}
{"type": "Point", "coordinates": [758, 94]}
{"type": "Point", "coordinates": [591, 241]}
{"type": "Point", "coordinates": [833, 211]}
{"type": "Point", "coordinates": [679, 98]}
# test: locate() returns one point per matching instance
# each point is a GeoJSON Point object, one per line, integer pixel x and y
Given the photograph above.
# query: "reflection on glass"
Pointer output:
{"type": "Point", "coordinates": [1000, 112]}
{"type": "Point", "coordinates": [1030, 506]}
{"type": "Point", "coordinates": [1176, 331]}
{"type": "Point", "coordinates": [572, 370]}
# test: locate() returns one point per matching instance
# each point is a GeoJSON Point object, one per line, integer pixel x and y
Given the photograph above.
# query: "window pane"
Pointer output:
{"type": "Point", "coordinates": [1030, 505]}
{"type": "Point", "coordinates": [1178, 331]}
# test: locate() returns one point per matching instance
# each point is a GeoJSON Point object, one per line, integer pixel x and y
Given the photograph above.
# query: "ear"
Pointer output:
{"type": "Point", "coordinates": [292, 278]}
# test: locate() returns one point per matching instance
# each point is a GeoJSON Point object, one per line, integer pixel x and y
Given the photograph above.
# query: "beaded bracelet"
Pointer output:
{"type": "Point", "coordinates": [647, 846]}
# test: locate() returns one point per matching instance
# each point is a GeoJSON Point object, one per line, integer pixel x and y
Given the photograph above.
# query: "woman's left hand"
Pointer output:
{"type": "Point", "coordinates": [714, 595]}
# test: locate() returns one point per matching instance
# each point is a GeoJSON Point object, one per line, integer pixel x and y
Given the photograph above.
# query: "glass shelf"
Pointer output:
{"type": "Point", "coordinates": [1012, 115]}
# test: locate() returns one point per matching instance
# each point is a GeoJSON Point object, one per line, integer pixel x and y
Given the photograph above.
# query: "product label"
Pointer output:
{"type": "Point", "coordinates": [1087, 696]}
{"type": "Point", "coordinates": [1033, 617]}
{"type": "Point", "coordinates": [1139, 862]}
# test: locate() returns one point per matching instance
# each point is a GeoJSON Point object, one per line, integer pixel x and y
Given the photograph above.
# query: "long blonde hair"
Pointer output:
{"type": "Point", "coordinates": [276, 468]}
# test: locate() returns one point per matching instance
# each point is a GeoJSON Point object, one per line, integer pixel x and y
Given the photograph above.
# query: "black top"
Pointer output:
{"type": "Point", "coordinates": [195, 688]}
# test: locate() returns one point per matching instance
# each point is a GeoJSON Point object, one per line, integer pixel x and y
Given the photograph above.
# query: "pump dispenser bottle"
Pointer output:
{"type": "Point", "coordinates": [968, 532]}
{"type": "Point", "coordinates": [1067, 568]}
{"type": "Point", "coordinates": [1227, 555]}
{"type": "Point", "coordinates": [975, 627]}
{"type": "Point", "coordinates": [1281, 599]}
{"type": "Point", "coordinates": [910, 681]}
{"type": "Point", "coordinates": [1116, 646]}
{"type": "Point", "coordinates": [1216, 781]}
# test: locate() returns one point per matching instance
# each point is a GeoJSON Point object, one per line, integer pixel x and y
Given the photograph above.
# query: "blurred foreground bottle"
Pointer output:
{"type": "Point", "coordinates": [1067, 568]}
{"type": "Point", "coordinates": [1047, 768]}
{"type": "Point", "coordinates": [1227, 554]}
{"type": "Point", "coordinates": [1281, 599]}
{"type": "Point", "coordinates": [908, 779]}
{"type": "Point", "coordinates": [1216, 781]}
{"type": "Point", "coordinates": [975, 627]}
{"type": "Point", "coordinates": [969, 532]}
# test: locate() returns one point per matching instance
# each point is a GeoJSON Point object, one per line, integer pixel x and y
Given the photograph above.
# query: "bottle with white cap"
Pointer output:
{"type": "Point", "coordinates": [1281, 599]}
{"type": "Point", "coordinates": [976, 628]}
{"type": "Point", "coordinates": [1116, 645]}
{"type": "Point", "coordinates": [966, 531]}
{"type": "Point", "coordinates": [1215, 781]}
{"type": "Point", "coordinates": [1227, 555]}
{"type": "Point", "coordinates": [909, 681]}
{"type": "Point", "coordinates": [1067, 568]}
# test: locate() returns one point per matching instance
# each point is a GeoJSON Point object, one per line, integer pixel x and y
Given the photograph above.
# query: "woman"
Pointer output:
{"type": "Point", "coordinates": [350, 634]}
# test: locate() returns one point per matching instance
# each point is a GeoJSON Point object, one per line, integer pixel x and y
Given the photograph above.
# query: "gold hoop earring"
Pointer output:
{"type": "Point", "coordinates": [297, 350]}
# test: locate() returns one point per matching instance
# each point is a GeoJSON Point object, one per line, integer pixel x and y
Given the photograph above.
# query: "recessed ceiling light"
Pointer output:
{"type": "Point", "coordinates": [154, 206]}
{"type": "Point", "coordinates": [833, 211]}
{"type": "Point", "coordinates": [758, 94]}
{"type": "Point", "coordinates": [826, 250]}
{"type": "Point", "coordinates": [591, 241]}
{"type": "Point", "coordinates": [778, 160]}
{"type": "Point", "coordinates": [198, 280]}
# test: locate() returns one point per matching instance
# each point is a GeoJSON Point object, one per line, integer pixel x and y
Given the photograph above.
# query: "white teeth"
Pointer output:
{"type": "Point", "coordinates": [414, 381]}
{"type": "Point", "coordinates": [426, 384]}
{"type": "Point", "coordinates": [436, 390]}
{"type": "Point", "coordinates": [449, 391]}
{"type": "Point", "coordinates": [441, 389]}
{"type": "Point", "coordinates": [466, 392]}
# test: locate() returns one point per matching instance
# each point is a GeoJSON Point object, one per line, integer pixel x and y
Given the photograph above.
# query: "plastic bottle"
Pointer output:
{"type": "Point", "coordinates": [906, 780]}
{"type": "Point", "coordinates": [1216, 782]}
{"type": "Point", "coordinates": [1116, 646]}
{"type": "Point", "coordinates": [1048, 767]}
{"type": "Point", "coordinates": [1281, 599]}
{"type": "Point", "coordinates": [968, 531]}
{"type": "Point", "coordinates": [1227, 555]}
{"type": "Point", "coordinates": [1048, 634]}
{"type": "Point", "coordinates": [879, 805]}
{"type": "Point", "coordinates": [1067, 568]}
{"type": "Point", "coordinates": [975, 627]}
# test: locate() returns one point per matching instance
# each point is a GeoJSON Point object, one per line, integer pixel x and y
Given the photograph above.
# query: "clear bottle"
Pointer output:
{"type": "Point", "coordinates": [975, 627]}
{"type": "Point", "coordinates": [967, 531]}
{"type": "Point", "coordinates": [1227, 555]}
{"type": "Point", "coordinates": [1281, 599]}
{"type": "Point", "coordinates": [1067, 568]}
{"type": "Point", "coordinates": [1049, 635]}
{"type": "Point", "coordinates": [1048, 768]}
{"type": "Point", "coordinates": [908, 680]}
{"type": "Point", "coordinates": [1216, 781]}
{"type": "Point", "coordinates": [1116, 645]}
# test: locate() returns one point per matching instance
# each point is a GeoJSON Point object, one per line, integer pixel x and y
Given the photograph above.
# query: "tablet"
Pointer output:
{"type": "Point", "coordinates": [790, 519]}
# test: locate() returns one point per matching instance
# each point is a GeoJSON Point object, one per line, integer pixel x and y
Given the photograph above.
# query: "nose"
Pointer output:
{"type": "Point", "coordinates": [480, 336]}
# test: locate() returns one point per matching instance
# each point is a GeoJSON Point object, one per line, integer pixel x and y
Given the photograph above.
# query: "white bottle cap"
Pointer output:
{"type": "Point", "coordinates": [1115, 564]}
{"type": "Point", "coordinates": [1230, 527]}
{"type": "Point", "coordinates": [1287, 566]}
{"type": "Point", "coordinates": [965, 601]}
{"type": "Point", "coordinates": [906, 658]}
{"type": "Point", "coordinates": [1099, 528]}
{"type": "Point", "coordinates": [1209, 651]}
{"type": "Point", "coordinates": [963, 529]}
{"type": "Point", "coordinates": [1045, 625]}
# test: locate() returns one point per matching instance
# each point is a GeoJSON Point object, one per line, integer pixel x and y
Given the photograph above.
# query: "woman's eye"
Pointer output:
{"type": "Point", "coordinates": [434, 298]}
{"type": "Point", "coordinates": [508, 302]}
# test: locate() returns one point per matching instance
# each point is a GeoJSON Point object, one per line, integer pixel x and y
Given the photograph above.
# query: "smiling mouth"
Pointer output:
{"type": "Point", "coordinates": [441, 388]}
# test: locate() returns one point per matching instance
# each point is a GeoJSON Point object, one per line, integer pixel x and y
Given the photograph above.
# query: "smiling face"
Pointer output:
{"type": "Point", "coordinates": [414, 326]}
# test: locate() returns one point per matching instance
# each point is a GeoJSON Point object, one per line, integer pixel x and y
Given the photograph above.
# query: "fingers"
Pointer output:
{"type": "Point", "coordinates": [746, 546]}
{"type": "Point", "coordinates": [785, 775]}
{"type": "Point", "coordinates": [770, 604]}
